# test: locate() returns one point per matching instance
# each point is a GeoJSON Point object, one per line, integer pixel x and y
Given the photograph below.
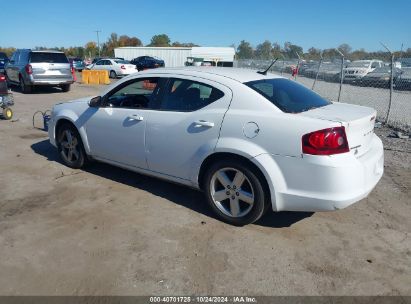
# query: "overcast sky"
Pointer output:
{"type": "Point", "coordinates": [318, 23]}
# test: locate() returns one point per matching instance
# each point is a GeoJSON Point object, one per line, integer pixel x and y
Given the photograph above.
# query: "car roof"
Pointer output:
{"type": "Point", "coordinates": [240, 75]}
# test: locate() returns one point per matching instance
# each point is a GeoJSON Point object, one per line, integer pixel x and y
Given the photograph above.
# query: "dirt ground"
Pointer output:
{"type": "Point", "coordinates": [107, 231]}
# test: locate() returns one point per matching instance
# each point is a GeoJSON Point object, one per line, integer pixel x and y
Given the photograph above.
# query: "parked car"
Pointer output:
{"type": "Point", "coordinates": [115, 67]}
{"type": "Point", "coordinates": [77, 63]}
{"type": "Point", "coordinates": [147, 62]}
{"type": "Point", "coordinates": [359, 68]}
{"type": "Point", "coordinates": [403, 81]}
{"type": "Point", "coordinates": [380, 77]}
{"type": "Point", "coordinates": [29, 68]}
{"type": "Point", "coordinates": [251, 142]}
{"type": "Point", "coordinates": [3, 60]}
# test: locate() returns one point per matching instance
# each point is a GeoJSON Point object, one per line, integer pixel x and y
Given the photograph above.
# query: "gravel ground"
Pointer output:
{"type": "Point", "coordinates": [108, 231]}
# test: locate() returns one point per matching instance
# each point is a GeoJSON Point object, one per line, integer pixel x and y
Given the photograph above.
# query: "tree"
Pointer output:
{"type": "Point", "coordinates": [244, 50]}
{"type": "Point", "coordinates": [263, 50]}
{"type": "Point", "coordinates": [185, 44]}
{"type": "Point", "coordinates": [345, 49]}
{"type": "Point", "coordinates": [276, 50]}
{"type": "Point", "coordinates": [91, 49]}
{"type": "Point", "coordinates": [125, 40]}
{"type": "Point", "coordinates": [313, 54]}
{"type": "Point", "coordinates": [160, 40]}
{"type": "Point", "coordinates": [291, 50]}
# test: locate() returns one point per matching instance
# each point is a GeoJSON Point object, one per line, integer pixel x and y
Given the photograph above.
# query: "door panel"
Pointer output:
{"type": "Point", "coordinates": [175, 139]}
{"type": "Point", "coordinates": [114, 134]}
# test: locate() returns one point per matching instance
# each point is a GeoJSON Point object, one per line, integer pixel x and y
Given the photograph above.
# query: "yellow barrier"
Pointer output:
{"type": "Point", "coordinates": [85, 75]}
{"type": "Point", "coordinates": [103, 77]}
{"type": "Point", "coordinates": [94, 77]}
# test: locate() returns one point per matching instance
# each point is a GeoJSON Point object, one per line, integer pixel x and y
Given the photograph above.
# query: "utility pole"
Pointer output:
{"type": "Point", "coordinates": [98, 41]}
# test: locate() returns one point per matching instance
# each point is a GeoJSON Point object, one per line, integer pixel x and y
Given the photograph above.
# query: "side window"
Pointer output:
{"type": "Point", "coordinates": [187, 95]}
{"type": "Point", "coordinates": [100, 62]}
{"type": "Point", "coordinates": [108, 62]}
{"type": "Point", "coordinates": [137, 94]}
{"type": "Point", "coordinates": [375, 65]}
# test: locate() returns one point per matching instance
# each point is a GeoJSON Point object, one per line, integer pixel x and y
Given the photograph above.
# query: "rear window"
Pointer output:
{"type": "Point", "coordinates": [287, 95]}
{"type": "Point", "coordinates": [48, 57]}
{"type": "Point", "coordinates": [121, 61]}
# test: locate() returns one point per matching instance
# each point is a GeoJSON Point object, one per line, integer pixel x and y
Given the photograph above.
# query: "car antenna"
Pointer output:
{"type": "Point", "coordinates": [265, 72]}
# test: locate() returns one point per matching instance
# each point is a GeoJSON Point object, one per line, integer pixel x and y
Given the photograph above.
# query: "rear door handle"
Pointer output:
{"type": "Point", "coordinates": [203, 123]}
{"type": "Point", "coordinates": [135, 117]}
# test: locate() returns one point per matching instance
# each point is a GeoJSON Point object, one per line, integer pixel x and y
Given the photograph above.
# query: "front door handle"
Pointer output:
{"type": "Point", "coordinates": [203, 123]}
{"type": "Point", "coordinates": [135, 117]}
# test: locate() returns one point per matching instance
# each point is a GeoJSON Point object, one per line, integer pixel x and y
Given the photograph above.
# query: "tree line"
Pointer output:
{"type": "Point", "coordinates": [90, 49]}
{"type": "Point", "coordinates": [267, 50]}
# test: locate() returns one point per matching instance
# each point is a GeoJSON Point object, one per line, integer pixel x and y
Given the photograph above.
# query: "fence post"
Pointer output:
{"type": "Point", "coordinates": [318, 71]}
{"type": "Point", "coordinates": [391, 88]}
{"type": "Point", "coordinates": [298, 66]}
{"type": "Point", "coordinates": [341, 74]}
{"type": "Point", "coordinates": [282, 68]}
{"type": "Point", "coordinates": [391, 81]}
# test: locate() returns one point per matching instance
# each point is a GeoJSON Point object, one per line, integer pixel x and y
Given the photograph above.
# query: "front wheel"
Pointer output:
{"type": "Point", "coordinates": [235, 192]}
{"type": "Point", "coordinates": [71, 147]}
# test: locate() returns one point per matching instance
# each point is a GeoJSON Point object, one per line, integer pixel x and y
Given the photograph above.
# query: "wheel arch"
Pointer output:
{"type": "Point", "coordinates": [251, 162]}
{"type": "Point", "coordinates": [66, 119]}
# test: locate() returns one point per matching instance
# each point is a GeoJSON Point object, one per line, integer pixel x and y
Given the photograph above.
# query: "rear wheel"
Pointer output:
{"type": "Point", "coordinates": [25, 88]}
{"type": "Point", "coordinates": [65, 87]}
{"type": "Point", "coordinates": [71, 147]}
{"type": "Point", "coordinates": [235, 192]}
{"type": "Point", "coordinates": [113, 74]}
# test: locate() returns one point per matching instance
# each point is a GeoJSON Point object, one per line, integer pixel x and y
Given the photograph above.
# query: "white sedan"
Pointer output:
{"type": "Point", "coordinates": [250, 141]}
{"type": "Point", "coordinates": [115, 67]}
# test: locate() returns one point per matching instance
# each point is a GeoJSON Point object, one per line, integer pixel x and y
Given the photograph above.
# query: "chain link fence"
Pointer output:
{"type": "Point", "coordinates": [368, 82]}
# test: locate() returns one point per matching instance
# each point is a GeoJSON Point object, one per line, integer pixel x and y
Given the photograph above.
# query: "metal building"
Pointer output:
{"type": "Point", "coordinates": [177, 56]}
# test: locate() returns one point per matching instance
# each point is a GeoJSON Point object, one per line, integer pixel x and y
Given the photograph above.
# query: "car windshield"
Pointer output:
{"type": "Point", "coordinates": [359, 64]}
{"type": "Point", "coordinates": [3, 56]}
{"type": "Point", "coordinates": [48, 57]}
{"type": "Point", "coordinates": [287, 95]}
{"type": "Point", "coordinates": [121, 61]}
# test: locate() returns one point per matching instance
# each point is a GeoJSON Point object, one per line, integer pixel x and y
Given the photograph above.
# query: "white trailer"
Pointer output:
{"type": "Point", "coordinates": [177, 56]}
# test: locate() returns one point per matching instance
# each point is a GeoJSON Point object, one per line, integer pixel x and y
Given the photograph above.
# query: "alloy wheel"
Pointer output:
{"type": "Point", "coordinates": [232, 192]}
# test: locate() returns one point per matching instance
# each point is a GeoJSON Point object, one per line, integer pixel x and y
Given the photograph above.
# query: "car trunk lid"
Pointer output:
{"type": "Point", "coordinates": [358, 122]}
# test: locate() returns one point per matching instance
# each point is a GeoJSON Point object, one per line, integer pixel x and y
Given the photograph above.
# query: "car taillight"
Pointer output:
{"type": "Point", "coordinates": [326, 142]}
{"type": "Point", "coordinates": [123, 67]}
{"type": "Point", "coordinates": [72, 70]}
{"type": "Point", "coordinates": [29, 69]}
{"type": "Point", "coordinates": [2, 78]}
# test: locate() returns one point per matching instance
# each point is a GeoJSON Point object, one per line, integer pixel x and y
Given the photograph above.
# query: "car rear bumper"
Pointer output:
{"type": "Point", "coordinates": [49, 82]}
{"type": "Point", "coordinates": [325, 183]}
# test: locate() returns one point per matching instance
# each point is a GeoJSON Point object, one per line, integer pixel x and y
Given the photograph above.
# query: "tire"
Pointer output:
{"type": "Point", "coordinates": [70, 147]}
{"type": "Point", "coordinates": [25, 89]}
{"type": "Point", "coordinates": [7, 113]}
{"type": "Point", "coordinates": [65, 87]}
{"type": "Point", "coordinates": [113, 75]}
{"type": "Point", "coordinates": [235, 192]}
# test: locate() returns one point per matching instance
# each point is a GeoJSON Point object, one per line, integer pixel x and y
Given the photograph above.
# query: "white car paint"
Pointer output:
{"type": "Point", "coordinates": [120, 67]}
{"type": "Point", "coordinates": [169, 144]}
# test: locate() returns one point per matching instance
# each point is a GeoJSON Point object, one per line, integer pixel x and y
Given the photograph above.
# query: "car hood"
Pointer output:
{"type": "Point", "coordinates": [83, 100]}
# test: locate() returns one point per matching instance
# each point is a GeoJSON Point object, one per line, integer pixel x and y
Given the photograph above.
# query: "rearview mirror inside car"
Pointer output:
{"type": "Point", "coordinates": [95, 102]}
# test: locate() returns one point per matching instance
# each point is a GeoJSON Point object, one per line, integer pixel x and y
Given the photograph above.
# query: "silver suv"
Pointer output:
{"type": "Point", "coordinates": [29, 68]}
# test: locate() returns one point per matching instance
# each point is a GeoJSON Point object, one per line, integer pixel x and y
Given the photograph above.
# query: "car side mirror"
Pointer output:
{"type": "Point", "coordinates": [95, 102]}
